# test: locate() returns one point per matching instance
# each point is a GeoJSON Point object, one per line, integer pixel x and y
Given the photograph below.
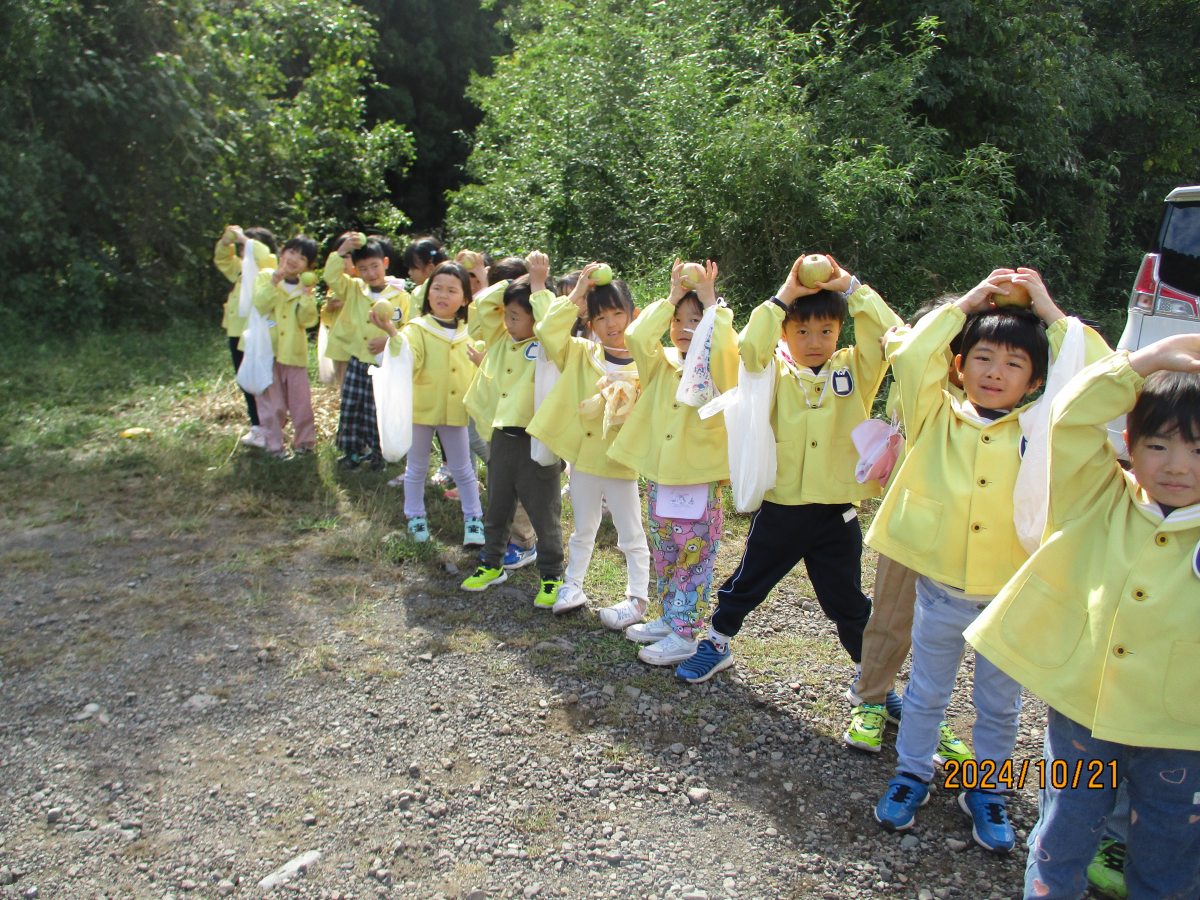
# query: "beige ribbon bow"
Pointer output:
{"type": "Point", "coordinates": [615, 398]}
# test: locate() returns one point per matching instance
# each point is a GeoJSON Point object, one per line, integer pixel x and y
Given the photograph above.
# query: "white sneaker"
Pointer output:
{"type": "Point", "coordinates": [621, 615]}
{"type": "Point", "coordinates": [648, 632]}
{"type": "Point", "coordinates": [255, 438]}
{"type": "Point", "coordinates": [569, 598]}
{"type": "Point", "coordinates": [670, 650]}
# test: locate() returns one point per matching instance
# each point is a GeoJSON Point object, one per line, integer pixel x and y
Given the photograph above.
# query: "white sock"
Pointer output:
{"type": "Point", "coordinates": [721, 640]}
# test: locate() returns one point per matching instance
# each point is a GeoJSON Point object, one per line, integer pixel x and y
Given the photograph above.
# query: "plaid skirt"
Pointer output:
{"type": "Point", "coordinates": [358, 430]}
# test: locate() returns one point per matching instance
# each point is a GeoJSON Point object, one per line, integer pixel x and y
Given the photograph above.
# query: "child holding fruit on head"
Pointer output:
{"type": "Point", "coordinates": [361, 340]}
{"type": "Point", "coordinates": [501, 401]}
{"type": "Point", "coordinates": [226, 258]}
{"type": "Point", "coordinates": [284, 296]}
{"type": "Point", "coordinates": [442, 373]}
{"type": "Point", "coordinates": [949, 515]}
{"type": "Point", "coordinates": [581, 417]}
{"type": "Point", "coordinates": [684, 458]}
{"type": "Point", "coordinates": [821, 393]}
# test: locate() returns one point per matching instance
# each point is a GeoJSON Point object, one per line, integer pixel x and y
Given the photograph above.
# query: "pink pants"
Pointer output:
{"type": "Point", "coordinates": [288, 393]}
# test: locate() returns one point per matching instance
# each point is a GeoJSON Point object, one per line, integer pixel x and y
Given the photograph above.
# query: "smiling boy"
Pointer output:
{"type": "Point", "coordinates": [948, 515]}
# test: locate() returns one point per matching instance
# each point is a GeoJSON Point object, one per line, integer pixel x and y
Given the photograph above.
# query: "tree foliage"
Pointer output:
{"type": "Point", "coordinates": [135, 131]}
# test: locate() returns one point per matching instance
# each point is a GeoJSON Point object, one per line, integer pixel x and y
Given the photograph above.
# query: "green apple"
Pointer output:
{"type": "Point", "coordinates": [602, 274]}
{"type": "Point", "coordinates": [1018, 295]}
{"type": "Point", "coordinates": [308, 279]}
{"type": "Point", "coordinates": [362, 238]}
{"type": "Point", "coordinates": [814, 269]}
{"type": "Point", "coordinates": [691, 275]}
{"type": "Point", "coordinates": [468, 259]}
{"type": "Point", "coordinates": [383, 310]}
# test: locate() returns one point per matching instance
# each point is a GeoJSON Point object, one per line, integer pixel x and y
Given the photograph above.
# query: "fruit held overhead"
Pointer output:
{"type": "Point", "coordinates": [814, 269]}
{"type": "Point", "coordinates": [691, 275]}
{"type": "Point", "coordinates": [603, 274]}
{"type": "Point", "coordinates": [468, 259]}
{"type": "Point", "coordinates": [1018, 295]}
{"type": "Point", "coordinates": [308, 279]}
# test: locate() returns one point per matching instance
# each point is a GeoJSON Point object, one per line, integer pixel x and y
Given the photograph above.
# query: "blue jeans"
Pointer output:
{"type": "Point", "coordinates": [939, 618]}
{"type": "Point", "coordinates": [1163, 847]}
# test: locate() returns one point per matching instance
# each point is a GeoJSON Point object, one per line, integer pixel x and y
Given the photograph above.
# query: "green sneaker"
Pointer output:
{"type": "Point", "coordinates": [485, 578]}
{"type": "Point", "coordinates": [1106, 873]}
{"type": "Point", "coordinates": [866, 727]}
{"type": "Point", "coordinates": [950, 747]}
{"type": "Point", "coordinates": [547, 594]}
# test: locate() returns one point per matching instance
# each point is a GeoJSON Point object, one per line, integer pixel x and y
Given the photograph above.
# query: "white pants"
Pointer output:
{"type": "Point", "coordinates": [588, 493]}
{"type": "Point", "coordinates": [458, 461]}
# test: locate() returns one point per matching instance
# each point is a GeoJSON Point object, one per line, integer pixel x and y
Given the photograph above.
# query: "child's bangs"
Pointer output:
{"type": "Point", "coordinates": [821, 305]}
{"type": "Point", "coordinates": [614, 295]}
{"type": "Point", "coordinates": [1168, 404]}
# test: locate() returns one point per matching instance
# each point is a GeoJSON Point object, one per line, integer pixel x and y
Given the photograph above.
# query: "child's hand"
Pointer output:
{"type": "Point", "coordinates": [350, 242]}
{"type": "Point", "coordinates": [538, 264]}
{"type": "Point", "coordinates": [579, 293]}
{"type": "Point", "coordinates": [979, 298]}
{"type": "Point", "coordinates": [376, 345]}
{"type": "Point", "coordinates": [839, 281]}
{"type": "Point", "coordinates": [475, 356]}
{"type": "Point", "coordinates": [234, 235]}
{"type": "Point", "coordinates": [706, 287]}
{"type": "Point", "coordinates": [1042, 303]}
{"type": "Point", "coordinates": [1177, 353]}
{"type": "Point", "coordinates": [333, 303]}
{"type": "Point", "coordinates": [479, 269]}
{"type": "Point", "coordinates": [792, 290]}
{"type": "Point", "coordinates": [677, 290]}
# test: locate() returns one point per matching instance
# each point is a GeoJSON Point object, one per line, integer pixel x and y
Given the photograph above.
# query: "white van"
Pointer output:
{"type": "Point", "coordinates": [1165, 299]}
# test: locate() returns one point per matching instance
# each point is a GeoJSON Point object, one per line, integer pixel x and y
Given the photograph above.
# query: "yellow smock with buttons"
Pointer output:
{"type": "Point", "coordinates": [288, 315]}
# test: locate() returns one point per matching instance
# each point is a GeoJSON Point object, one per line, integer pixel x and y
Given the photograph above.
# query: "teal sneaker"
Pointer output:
{"type": "Point", "coordinates": [418, 527]}
{"type": "Point", "coordinates": [866, 728]}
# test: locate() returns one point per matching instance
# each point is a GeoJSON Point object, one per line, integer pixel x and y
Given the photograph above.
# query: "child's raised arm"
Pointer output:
{"type": "Point", "coordinates": [225, 257]}
{"type": "Point", "coordinates": [485, 319]}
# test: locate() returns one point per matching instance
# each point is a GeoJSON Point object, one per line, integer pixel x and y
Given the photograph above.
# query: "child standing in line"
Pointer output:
{"type": "Point", "coordinates": [1103, 623]}
{"type": "Point", "coordinates": [501, 402]}
{"type": "Point", "coordinates": [887, 637]}
{"type": "Point", "coordinates": [226, 257]}
{"type": "Point", "coordinates": [289, 308]}
{"type": "Point", "coordinates": [949, 516]}
{"type": "Point", "coordinates": [685, 460]}
{"type": "Point", "coordinates": [362, 342]}
{"type": "Point", "coordinates": [442, 373]}
{"type": "Point", "coordinates": [821, 394]}
{"type": "Point", "coordinates": [331, 310]}
{"type": "Point", "coordinates": [579, 421]}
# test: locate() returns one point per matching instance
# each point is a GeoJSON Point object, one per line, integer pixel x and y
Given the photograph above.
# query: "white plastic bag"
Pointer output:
{"type": "Point", "coordinates": [545, 377]}
{"type": "Point", "coordinates": [1031, 494]}
{"type": "Point", "coordinates": [391, 383]}
{"type": "Point", "coordinates": [753, 463]}
{"type": "Point", "coordinates": [325, 370]}
{"type": "Point", "coordinates": [696, 382]}
{"type": "Point", "coordinates": [257, 370]}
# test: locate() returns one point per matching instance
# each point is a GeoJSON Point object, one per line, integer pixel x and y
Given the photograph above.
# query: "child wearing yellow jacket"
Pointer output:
{"type": "Point", "coordinates": [500, 401]}
{"type": "Point", "coordinates": [227, 259]}
{"type": "Point", "coordinates": [1103, 623]}
{"type": "Point", "coordinates": [442, 373]}
{"type": "Point", "coordinates": [821, 394]}
{"type": "Point", "coordinates": [290, 309]}
{"type": "Point", "coordinates": [579, 421]}
{"type": "Point", "coordinates": [949, 515]}
{"type": "Point", "coordinates": [361, 342]}
{"type": "Point", "coordinates": [685, 460]}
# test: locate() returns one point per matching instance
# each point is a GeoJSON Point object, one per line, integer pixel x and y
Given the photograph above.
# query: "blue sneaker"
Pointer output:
{"type": "Point", "coordinates": [515, 557]}
{"type": "Point", "coordinates": [991, 829]}
{"type": "Point", "coordinates": [894, 704]}
{"type": "Point", "coordinates": [897, 808]}
{"type": "Point", "coordinates": [706, 662]}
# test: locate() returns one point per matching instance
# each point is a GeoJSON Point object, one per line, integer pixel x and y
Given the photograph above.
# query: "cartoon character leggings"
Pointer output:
{"type": "Point", "coordinates": [684, 551]}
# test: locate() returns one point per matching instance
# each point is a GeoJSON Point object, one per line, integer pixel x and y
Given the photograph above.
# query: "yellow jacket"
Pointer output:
{"type": "Point", "coordinates": [664, 440]}
{"type": "Point", "coordinates": [501, 395]}
{"type": "Point", "coordinates": [442, 371]}
{"type": "Point", "coordinates": [948, 512]}
{"type": "Point", "coordinates": [226, 259]}
{"type": "Point", "coordinates": [1103, 621]}
{"type": "Point", "coordinates": [812, 415]}
{"type": "Point", "coordinates": [350, 333]}
{"type": "Point", "coordinates": [558, 422]}
{"type": "Point", "coordinates": [288, 315]}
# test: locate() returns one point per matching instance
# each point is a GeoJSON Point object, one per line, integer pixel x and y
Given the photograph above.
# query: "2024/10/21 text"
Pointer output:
{"type": "Point", "coordinates": [1058, 774]}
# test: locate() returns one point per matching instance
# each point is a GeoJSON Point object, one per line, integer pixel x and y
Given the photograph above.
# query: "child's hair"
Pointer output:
{"type": "Point", "coordinates": [1019, 329]}
{"type": "Point", "coordinates": [424, 250]}
{"type": "Point", "coordinates": [691, 297]}
{"type": "Point", "coordinates": [263, 236]}
{"type": "Point", "coordinates": [457, 271]}
{"type": "Point", "coordinates": [372, 249]}
{"type": "Point", "coordinates": [508, 269]}
{"type": "Point", "coordinates": [937, 303]}
{"type": "Point", "coordinates": [1169, 403]}
{"type": "Point", "coordinates": [389, 251]}
{"type": "Point", "coordinates": [519, 291]}
{"type": "Point", "coordinates": [614, 295]}
{"type": "Point", "coordinates": [821, 305]}
{"type": "Point", "coordinates": [304, 245]}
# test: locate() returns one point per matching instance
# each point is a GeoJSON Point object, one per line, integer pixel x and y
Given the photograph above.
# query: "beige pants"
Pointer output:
{"type": "Point", "coordinates": [888, 634]}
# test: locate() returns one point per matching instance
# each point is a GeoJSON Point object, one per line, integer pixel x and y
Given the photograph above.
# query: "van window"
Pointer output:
{"type": "Point", "coordinates": [1180, 247]}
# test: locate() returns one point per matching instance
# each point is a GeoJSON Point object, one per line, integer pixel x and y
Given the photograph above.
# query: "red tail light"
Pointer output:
{"type": "Point", "coordinates": [1151, 297]}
